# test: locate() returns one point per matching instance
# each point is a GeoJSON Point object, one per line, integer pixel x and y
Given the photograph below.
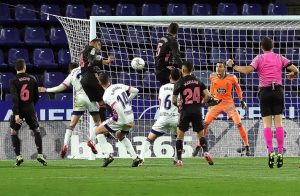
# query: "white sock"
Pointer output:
{"type": "Point", "coordinates": [128, 145]}
{"type": "Point", "coordinates": [103, 145]}
{"type": "Point", "coordinates": [67, 138]}
{"type": "Point", "coordinates": [93, 134]}
{"type": "Point", "coordinates": [145, 147]}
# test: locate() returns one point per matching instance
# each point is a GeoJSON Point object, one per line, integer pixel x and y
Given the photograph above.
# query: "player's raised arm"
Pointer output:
{"type": "Point", "coordinates": [61, 87]}
{"type": "Point", "coordinates": [133, 92]}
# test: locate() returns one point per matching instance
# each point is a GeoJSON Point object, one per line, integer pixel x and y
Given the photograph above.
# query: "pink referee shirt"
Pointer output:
{"type": "Point", "coordinates": [269, 68]}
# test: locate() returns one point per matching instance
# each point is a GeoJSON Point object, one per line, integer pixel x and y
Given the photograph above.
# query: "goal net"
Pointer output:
{"type": "Point", "coordinates": [203, 41]}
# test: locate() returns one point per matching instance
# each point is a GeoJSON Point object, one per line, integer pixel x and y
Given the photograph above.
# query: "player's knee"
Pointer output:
{"type": "Point", "coordinates": [150, 140]}
{"type": "Point", "coordinates": [35, 130]}
{"type": "Point", "coordinates": [203, 141]}
{"type": "Point", "coordinates": [239, 125]}
{"type": "Point", "coordinates": [206, 124]}
{"type": "Point", "coordinates": [120, 135]}
{"type": "Point", "coordinates": [13, 132]}
{"type": "Point", "coordinates": [71, 127]}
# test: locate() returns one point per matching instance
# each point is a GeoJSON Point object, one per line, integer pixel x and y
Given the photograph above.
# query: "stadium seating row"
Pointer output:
{"type": "Point", "coordinates": [33, 37]}
{"type": "Point", "coordinates": [26, 13]}
{"type": "Point", "coordinates": [43, 58]}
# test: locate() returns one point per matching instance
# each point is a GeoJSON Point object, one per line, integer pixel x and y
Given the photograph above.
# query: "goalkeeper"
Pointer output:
{"type": "Point", "coordinates": [221, 88]}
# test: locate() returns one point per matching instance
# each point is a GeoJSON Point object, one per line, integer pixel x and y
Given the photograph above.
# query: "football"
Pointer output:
{"type": "Point", "coordinates": [138, 63]}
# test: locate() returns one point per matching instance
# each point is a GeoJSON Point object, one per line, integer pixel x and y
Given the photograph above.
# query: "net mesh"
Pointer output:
{"type": "Point", "coordinates": [203, 43]}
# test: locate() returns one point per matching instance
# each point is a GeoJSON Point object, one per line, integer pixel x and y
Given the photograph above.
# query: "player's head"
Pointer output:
{"type": "Point", "coordinates": [187, 68]}
{"type": "Point", "coordinates": [96, 43]}
{"type": "Point", "coordinates": [72, 66]}
{"type": "Point", "coordinates": [20, 65]}
{"type": "Point", "coordinates": [173, 27]}
{"type": "Point", "coordinates": [266, 44]}
{"type": "Point", "coordinates": [104, 80]}
{"type": "Point", "coordinates": [174, 75]}
{"type": "Point", "coordinates": [220, 68]}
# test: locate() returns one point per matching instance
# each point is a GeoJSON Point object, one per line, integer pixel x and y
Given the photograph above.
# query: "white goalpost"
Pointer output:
{"type": "Point", "coordinates": [204, 40]}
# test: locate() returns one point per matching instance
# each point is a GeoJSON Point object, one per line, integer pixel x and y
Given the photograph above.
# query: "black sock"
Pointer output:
{"type": "Point", "coordinates": [102, 112]}
{"type": "Point", "coordinates": [38, 142]}
{"type": "Point", "coordinates": [203, 143]}
{"type": "Point", "coordinates": [16, 144]}
{"type": "Point", "coordinates": [179, 147]}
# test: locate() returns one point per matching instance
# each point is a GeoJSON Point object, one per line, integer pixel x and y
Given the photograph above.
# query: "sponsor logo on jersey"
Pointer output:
{"type": "Point", "coordinates": [221, 91]}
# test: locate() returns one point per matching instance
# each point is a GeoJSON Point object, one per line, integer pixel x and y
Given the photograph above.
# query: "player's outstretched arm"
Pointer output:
{"type": "Point", "coordinates": [56, 89]}
{"type": "Point", "coordinates": [242, 69]}
{"type": "Point", "coordinates": [133, 92]}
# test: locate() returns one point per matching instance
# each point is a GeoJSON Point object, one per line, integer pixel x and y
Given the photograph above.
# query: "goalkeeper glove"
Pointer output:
{"type": "Point", "coordinates": [243, 104]}
{"type": "Point", "coordinates": [213, 102]}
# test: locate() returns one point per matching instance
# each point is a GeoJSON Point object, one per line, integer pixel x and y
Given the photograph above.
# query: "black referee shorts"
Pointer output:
{"type": "Point", "coordinates": [91, 87]}
{"type": "Point", "coordinates": [187, 117]}
{"type": "Point", "coordinates": [271, 101]}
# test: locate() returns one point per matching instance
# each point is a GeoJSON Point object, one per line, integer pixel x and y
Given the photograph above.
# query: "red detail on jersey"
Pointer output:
{"type": "Point", "coordinates": [113, 104]}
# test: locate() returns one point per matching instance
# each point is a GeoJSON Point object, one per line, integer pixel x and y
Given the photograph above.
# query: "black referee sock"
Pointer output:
{"type": "Point", "coordinates": [179, 148]}
{"type": "Point", "coordinates": [203, 143]}
{"type": "Point", "coordinates": [16, 144]}
{"type": "Point", "coordinates": [38, 142]}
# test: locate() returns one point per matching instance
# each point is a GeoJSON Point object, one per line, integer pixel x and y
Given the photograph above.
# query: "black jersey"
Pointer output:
{"type": "Point", "coordinates": [190, 89]}
{"type": "Point", "coordinates": [88, 62]}
{"type": "Point", "coordinates": [167, 53]}
{"type": "Point", "coordinates": [24, 90]}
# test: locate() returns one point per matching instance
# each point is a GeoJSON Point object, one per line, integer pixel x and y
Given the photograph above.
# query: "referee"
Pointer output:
{"type": "Point", "coordinates": [269, 66]}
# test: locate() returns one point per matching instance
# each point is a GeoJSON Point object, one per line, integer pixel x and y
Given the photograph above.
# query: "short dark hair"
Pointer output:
{"type": "Point", "coordinates": [173, 27]}
{"type": "Point", "coordinates": [175, 74]}
{"type": "Point", "coordinates": [73, 65]}
{"type": "Point", "coordinates": [96, 40]}
{"type": "Point", "coordinates": [221, 62]}
{"type": "Point", "coordinates": [103, 77]}
{"type": "Point", "coordinates": [20, 64]}
{"type": "Point", "coordinates": [266, 43]}
{"type": "Point", "coordinates": [189, 66]}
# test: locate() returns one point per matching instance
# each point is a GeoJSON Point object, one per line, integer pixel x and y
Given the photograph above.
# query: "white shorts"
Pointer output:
{"type": "Point", "coordinates": [165, 124]}
{"type": "Point", "coordinates": [113, 126]}
{"type": "Point", "coordinates": [82, 103]}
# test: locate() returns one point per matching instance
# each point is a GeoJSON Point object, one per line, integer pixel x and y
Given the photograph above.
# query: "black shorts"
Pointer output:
{"type": "Point", "coordinates": [30, 119]}
{"type": "Point", "coordinates": [195, 117]}
{"type": "Point", "coordinates": [91, 87]}
{"type": "Point", "coordinates": [271, 101]}
{"type": "Point", "coordinates": [163, 76]}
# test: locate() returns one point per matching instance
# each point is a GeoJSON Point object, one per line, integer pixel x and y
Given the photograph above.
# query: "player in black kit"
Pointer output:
{"type": "Point", "coordinates": [24, 90]}
{"type": "Point", "coordinates": [91, 65]}
{"type": "Point", "coordinates": [190, 89]}
{"type": "Point", "coordinates": [167, 55]}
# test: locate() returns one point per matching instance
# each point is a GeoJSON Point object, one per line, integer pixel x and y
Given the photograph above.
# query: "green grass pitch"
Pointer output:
{"type": "Point", "coordinates": [229, 176]}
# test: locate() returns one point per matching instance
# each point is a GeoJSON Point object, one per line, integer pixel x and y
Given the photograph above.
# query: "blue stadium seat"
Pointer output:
{"type": "Point", "coordinates": [75, 11]}
{"type": "Point", "coordinates": [157, 33]}
{"type": "Point", "coordinates": [150, 80]}
{"type": "Point", "coordinates": [50, 9]}
{"type": "Point", "coordinates": [146, 54]}
{"type": "Point", "coordinates": [125, 9]}
{"type": "Point", "coordinates": [151, 9]}
{"type": "Point", "coordinates": [3, 65]}
{"type": "Point", "coordinates": [58, 37]}
{"type": "Point", "coordinates": [187, 36]}
{"type": "Point", "coordinates": [219, 54]}
{"type": "Point", "coordinates": [111, 36]}
{"type": "Point", "coordinates": [136, 35]}
{"type": "Point", "coordinates": [196, 55]}
{"type": "Point", "coordinates": [44, 97]}
{"type": "Point", "coordinates": [252, 9]}
{"type": "Point", "coordinates": [243, 56]}
{"type": "Point", "coordinates": [44, 58]}
{"type": "Point", "coordinates": [177, 9]}
{"type": "Point", "coordinates": [10, 37]}
{"type": "Point", "coordinates": [237, 37]}
{"type": "Point", "coordinates": [293, 55]}
{"type": "Point", "coordinates": [18, 53]}
{"type": "Point", "coordinates": [64, 58]}
{"type": "Point", "coordinates": [252, 79]}
{"type": "Point", "coordinates": [64, 97]}
{"type": "Point", "coordinates": [212, 35]}
{"type": "Point", "coordinates": [201, 9]}
{"type": "Point", "coordinates": [8, 97]}
{"type": "Point", "coordinates": [129, 79]}
{"type": "Point", "coordinates": [101, 10]}
{"type": "Point", "coordinates": [52, 79]}
{"type": "Point", "coordinates": [120, 57]}
{"type": "Point", "coordinates": [25, 13]}
{"type": "Point", "coordinates": [35, 36]}
{"type": "Point", "coordinates": [5, 16]}
{"type": "Point", "coordinates": [257, 35]}
{"type": "Point", "coordinates": [277, 9]}
{"type": "Point", "coordinates": [203, 76]}
{"type": "Point", "coordinates": [227, 9]}
{"type": "Point", "coordinates": [285, 36]}
{"type": "Point", "coordinates": [5, 77]}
